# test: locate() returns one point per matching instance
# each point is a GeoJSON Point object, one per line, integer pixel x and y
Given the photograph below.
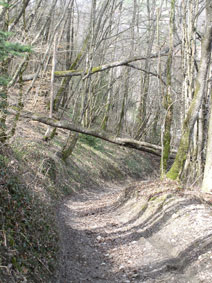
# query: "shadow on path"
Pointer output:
{"type": "Point", "coordinates": [84, 258]}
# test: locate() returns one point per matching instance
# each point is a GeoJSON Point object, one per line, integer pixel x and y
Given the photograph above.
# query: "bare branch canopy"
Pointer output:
{"type": "Point", "coordinates": [76, 73]}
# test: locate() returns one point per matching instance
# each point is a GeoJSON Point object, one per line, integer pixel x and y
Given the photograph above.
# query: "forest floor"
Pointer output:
{"type": "Point", "coordinates": [150, 231]}
{"type": "Point", "coordinates": [116, 221]}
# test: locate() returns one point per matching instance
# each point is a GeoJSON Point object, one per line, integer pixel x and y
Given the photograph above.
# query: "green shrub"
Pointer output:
{"type": "Point", "coordinates": [91, 141]}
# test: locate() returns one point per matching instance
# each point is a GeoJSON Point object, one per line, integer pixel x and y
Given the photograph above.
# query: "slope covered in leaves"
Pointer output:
{"type": "Point", "coordinates": [33, 179]}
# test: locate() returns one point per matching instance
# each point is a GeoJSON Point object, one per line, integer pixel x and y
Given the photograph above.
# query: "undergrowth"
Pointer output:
{"type": "Point", "coordinates": [91, 141]}
{"type": "Point", "coordinates": [27, 235]}
{"type": "Point", "coordinates": [33, 178]}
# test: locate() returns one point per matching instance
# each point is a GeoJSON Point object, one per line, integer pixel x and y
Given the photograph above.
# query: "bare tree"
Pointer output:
{"type": "Point", "coordinates": [200, 84]}
{"type": "Point", "coordinates": [167, 99]}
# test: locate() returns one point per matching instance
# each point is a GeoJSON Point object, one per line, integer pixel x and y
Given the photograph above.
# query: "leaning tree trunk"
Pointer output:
{"type": "Point", "coordinates": [207, 179]}
{"type": "Point", "coordinates": [3, 85]}
{"type": "Point", "coordinates": [168, 104]}
{"type": "Point", "coordinates": [192, 114]}
{"type": "Point", "coordinates": [191, 171]}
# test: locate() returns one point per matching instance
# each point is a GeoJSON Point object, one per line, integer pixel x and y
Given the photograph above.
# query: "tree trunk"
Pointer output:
{"type": "Point", "coordinates": [3, 87]}
{"type": "Point", "coordinates": [70, 145]}
{"type": "Point", "coordinates": [191, 117]}
{"type": "Point", "coordinates": [168, 104]}
{"type": "Point", "coordinates": [141, 115]}
{"type": "Point", "coordinates": [96, 132]}
{"type": "Point", "coordinates": [207, 178]}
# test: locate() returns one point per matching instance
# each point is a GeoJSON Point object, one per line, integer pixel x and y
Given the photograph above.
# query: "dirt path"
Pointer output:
{"type": "Point", "coordinates": [116, 236]}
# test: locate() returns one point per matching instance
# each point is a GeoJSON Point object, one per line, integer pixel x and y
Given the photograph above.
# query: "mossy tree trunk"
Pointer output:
{"type": "Point", "coordinates": [3, 84]}
{"type": "Point", "coordinates": [192, 167]}
{"type": "Point", "coordinates": [168, 104]}
{"type": "Point", "coordinates": [65, 82]}
{"type": "Point", "coordinates": [69, 145]}
{"type": "Point", "coordinates": [207, 178]}
{"type": "Point", "coordinates": [192, 114]}
{"type": "Point", "coordinates": [3, 109]}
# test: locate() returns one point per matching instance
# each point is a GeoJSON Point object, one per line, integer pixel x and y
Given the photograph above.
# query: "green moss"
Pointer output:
{"type": "Point", "coordinates": [91, 141]}
{"type": "Point", "coordinates": [158, 199]}
{"type": "Point", "coordinates": [188, 121]}
{"type": "Point", "coordinates": [177, 167]}
{"type": "Point", "coordinates": [153, 198]}
{"type": "Point", "coordinates": [96, 69]}
{"type": "Point", "coordinates": [66, 80]}
{"type": "Point", "coordinates": [3, 160]}
{"type": "Point", "coordinates": [144, 206]}
{"type": "Point", "coordinates": [63, 73]}
{"type": "Point", "coordinates": [80, 54]}
{"type": "Point", "coordinates": [74, 65]}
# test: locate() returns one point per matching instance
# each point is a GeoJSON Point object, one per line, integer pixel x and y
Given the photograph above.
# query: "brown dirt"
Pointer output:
{"type": "Point", "coordinates": [149, 232]}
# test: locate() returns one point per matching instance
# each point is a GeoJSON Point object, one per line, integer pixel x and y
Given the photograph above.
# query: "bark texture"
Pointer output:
{"type": "Point", "coordinates": [191, 117]}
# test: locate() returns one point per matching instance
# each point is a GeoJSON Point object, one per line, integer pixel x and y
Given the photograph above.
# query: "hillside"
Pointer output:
{"type": "Point", "coordinates": [104, 201]}
{"type": "Point", "coordinates": [34, 180]}
{"type": "Point", "coordinates": [105, 141]}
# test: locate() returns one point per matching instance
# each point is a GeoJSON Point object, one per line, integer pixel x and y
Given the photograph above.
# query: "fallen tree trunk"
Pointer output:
{"type": "Point", "coordinates": [98, 133]}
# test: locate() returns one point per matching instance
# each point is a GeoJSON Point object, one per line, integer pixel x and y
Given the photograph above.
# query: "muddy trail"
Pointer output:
{"type": "Point", "coordinates": [148, 232]}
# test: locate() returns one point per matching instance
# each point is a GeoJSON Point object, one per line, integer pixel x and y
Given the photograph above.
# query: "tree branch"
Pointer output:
{"type": "Point", "coordinates": [147, 72]}
{"type": "Point", "coordinates": [74, 73]}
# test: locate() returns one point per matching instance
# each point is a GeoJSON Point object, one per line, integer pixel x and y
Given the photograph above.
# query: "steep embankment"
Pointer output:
{"type": "Point", "coordinates": [32, 181]}
{"type": "Point", "coordinates": [149, 232]}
